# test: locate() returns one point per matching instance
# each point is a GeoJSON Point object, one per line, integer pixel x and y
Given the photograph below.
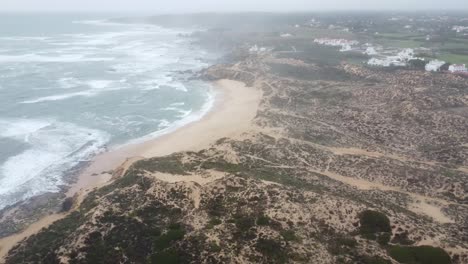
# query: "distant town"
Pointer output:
{"type": "Point", "coordinates": [434, 43]}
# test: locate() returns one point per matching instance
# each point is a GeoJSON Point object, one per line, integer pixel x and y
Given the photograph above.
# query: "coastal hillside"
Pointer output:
{"type": "Point", "coordinates": [342, 164]}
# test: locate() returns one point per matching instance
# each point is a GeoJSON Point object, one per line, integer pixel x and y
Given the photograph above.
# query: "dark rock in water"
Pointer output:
{"type": "Point", "coordinates": [218, 72]}
{"type": "Point", "coordinates": [67, 204]}
{"type": "Point", "coordinates": [17, 217]}
{"type": "Point", "coordinates": [186, 72]}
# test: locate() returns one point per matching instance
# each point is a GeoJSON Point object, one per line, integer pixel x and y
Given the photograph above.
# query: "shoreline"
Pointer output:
{"type": "Point", "coordinates": [235, 106]}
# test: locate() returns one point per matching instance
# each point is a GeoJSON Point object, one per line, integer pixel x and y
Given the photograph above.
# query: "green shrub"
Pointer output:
{"type": "Point", "coordinates": [402, 239]}
{"type": "Point", "coordinates": [165, 257]}
{"type": "Point", "coordinates": [369, 236]}
{"type": "Point", "coordinates": [374, 222]}
{"type": "Point", "coordinates": [384, 238]}
{"type": "Point", "coordinates": [347, 241]}
{"type": "Point", "coordinates": [419, 255]}
{"type": "Point", "coordinates": [289, 235]}
{"type": "Point", "coordinates": [215, 207]}
{"type": "Point", "coordinates": [170, 164]}
{"type": "Point", "coordinates": [244, 223]}
{"type": "Point", "coordinates": [374, 260]}
{"type": "Point", "coordinates": [263, 220]}
{"type": "Point", "coordinates": [341, 245]}
{"type": "Point", "coordinates": [272, 250]}
{"type": "Point", "coordinates": [166, 240]}
{"type": "Point", "coordinates": [213, 222]}
{"type": "Point", "coordinates": [223, 166]}
{"type": "Point", "coordinates": [175, 226]}
{"type": "Point", "coordinates": [213, 247]}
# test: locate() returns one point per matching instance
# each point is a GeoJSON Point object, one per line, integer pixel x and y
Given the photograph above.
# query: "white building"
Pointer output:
{"type": "Point", "coordinates": [393, 60]}
{"type": "Point", "coordinates": [346, 45]}
{"type": "Point", "coordinates": [259, 50]}
{"type": "Point", "coordinates": [458, 68]}
{"type": "Point", "coordinates": [371, 51]}
{"type": "Point", "coordinates": [387, 62]}
{"type": "Point", "coordinates": [459, 29]}
{"type": "Point", "coordinates": [434, 65]}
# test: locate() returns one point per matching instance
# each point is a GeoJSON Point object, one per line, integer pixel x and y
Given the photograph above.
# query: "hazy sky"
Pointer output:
{"type": "Point", "coordinates": [160, 6]}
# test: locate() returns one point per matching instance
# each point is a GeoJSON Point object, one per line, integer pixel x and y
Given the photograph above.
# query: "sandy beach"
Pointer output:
{"type": "Point", "coordinates": [235, 107]}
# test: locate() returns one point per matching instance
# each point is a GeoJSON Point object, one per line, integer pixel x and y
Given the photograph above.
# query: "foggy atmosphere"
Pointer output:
{"type": "Point", "coordinates": [179, 6]}
{"type": "Point", "coordinates": [229, 131]}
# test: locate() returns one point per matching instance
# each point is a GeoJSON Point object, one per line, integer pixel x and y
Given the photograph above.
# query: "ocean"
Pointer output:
{"type": "Point", "coordinates": [72, 86]}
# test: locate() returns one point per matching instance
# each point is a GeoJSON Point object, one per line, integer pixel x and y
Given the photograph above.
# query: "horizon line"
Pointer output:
{"type": "Point", "coordinates": [434, 10]}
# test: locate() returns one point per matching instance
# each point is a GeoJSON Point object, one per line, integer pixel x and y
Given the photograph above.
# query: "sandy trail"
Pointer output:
{"type": "Point", "coordinates": [431, 207]}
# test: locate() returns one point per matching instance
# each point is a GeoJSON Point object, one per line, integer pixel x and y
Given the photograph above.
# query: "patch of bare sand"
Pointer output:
{"type": "Point", "coordinates": [374, 154]}
{"type": "Point", "coordinates": [422, 205]}
{"type": "Point", "coordinates": [197, 179]}
{"type": "Point", "coordinates": [426, 207]}
{"type": "Point", "coordinates": [271, 183]}
{"type": "Point", "coordinates": [363, 152]}
{"type": "Point", "coordinates": [463, 169]}
{"type": "Point", "coordinates": [235, 107]}
{"type": "Point", "coordinates": [209, 177]}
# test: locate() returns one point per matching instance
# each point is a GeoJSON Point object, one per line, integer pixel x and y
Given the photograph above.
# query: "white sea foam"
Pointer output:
{"type": "Point", "coordinates": [68, 82]}
{"type": "Point", "coordinates": [100, 22]}
{"type": "Point", "coordinates": [182, 113]}
{"type": "Point", "coordinates": [143, 57]}
{"type": "Point", "coordinates": [60, 58]}
{"type": "Point", "coordinates": [97, 87]}
{"type": "Point", "coordinates": [191, 117]}
{"type": "Point", "coordinates": [163, 81]}
{"type": "Point", "coordinates": [164, 124]}
{"type": "Point", "coordinates": [99, 84]}
{"type": "Point", "coordinates": [59, 97]}
{"type": "Point", "coordinates": [165, 127]}
{"type": "Point", "coordinates": [118, 40]}
{"type": "Point", "coordinates": [21, 128]}
{"type": "Point", "coordinates": [53, 148]}
{"type": "Point", "coordinates": [171, 108]}
{"type": "Point", "coordinates": [25, 38]}
{"type": "Point", "coordinates": [179, 86]}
